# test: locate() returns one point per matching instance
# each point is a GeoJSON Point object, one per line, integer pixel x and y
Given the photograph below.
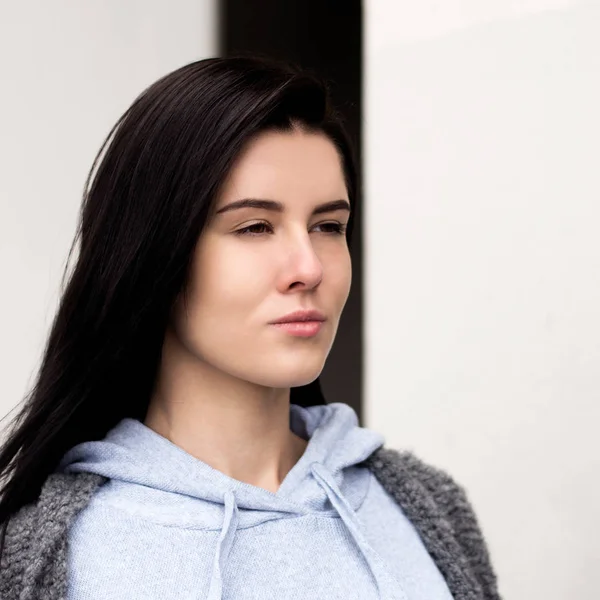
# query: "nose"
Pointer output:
{"type": "Point", "coordinates": [302, 267]}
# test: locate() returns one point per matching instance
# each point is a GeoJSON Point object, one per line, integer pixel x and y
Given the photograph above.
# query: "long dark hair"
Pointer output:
{"type": "Point", "coordinates": [145, 203]}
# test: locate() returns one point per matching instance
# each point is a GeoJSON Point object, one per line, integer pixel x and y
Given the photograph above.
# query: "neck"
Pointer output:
{"type": "Point", "coordinates": [236, 427]}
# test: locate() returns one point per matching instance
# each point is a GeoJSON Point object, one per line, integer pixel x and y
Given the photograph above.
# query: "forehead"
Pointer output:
{"type": "Point", "coordinates": [286, 166]}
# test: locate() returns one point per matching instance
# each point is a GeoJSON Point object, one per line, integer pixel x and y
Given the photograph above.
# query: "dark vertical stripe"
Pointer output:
{"type": "Point", "coordinates": [324, 35]}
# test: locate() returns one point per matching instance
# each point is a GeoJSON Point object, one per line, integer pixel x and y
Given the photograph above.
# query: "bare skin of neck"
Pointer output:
{"type": "Point", "coordinates": [236, 427]}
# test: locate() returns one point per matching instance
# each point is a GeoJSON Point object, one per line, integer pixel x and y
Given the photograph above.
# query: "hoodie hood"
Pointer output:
{"type": "Point", "coordinates": [155, 478]}
{"type": "Point", "coordinates": [135, 454]}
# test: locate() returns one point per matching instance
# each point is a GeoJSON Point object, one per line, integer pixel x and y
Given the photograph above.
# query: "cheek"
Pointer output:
{"type": "Point", "coordinates": [225, 283]}
{"type": "Point", "coordinates": [338, 275]}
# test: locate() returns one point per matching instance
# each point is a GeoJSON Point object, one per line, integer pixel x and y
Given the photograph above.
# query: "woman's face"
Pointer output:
{"type": "Point", "coordinates": [254, 265]}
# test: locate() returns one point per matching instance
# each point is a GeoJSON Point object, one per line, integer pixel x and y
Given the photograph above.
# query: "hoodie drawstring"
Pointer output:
{"type": "Point", "coordinates": [230, 523]}
{"type": "Point", "coordinates": [327, 482]}
{"type": "Point", "coordinates": [348, 516]}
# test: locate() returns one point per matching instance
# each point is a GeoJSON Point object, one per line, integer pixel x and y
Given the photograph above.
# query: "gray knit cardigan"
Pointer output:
{"type": "Point", "coordinates": [33, 565]}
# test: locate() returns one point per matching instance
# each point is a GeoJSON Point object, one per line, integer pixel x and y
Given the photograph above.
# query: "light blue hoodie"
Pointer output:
{"type": "Point", "coordinates": [168, 526]}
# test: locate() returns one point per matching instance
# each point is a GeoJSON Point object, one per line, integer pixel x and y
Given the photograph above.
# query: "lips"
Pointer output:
{"type": "Point", "coordinates": [301, 316]}
{"type": "Point", "coordinates": [304, 329]}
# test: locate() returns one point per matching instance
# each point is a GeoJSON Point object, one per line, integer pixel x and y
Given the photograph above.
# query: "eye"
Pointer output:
{"type": "Point", "coordinates": [254, 229]}
{"type": "Point", "coordinates": [333, 227]}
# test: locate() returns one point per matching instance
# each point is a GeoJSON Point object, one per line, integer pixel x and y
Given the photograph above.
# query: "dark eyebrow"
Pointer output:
{"type": "Point", "coordinates": [278, 206]}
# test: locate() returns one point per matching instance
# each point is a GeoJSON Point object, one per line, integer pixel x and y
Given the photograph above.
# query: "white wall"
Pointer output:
{"type": "Point", "coordinates": [482, 134]}
{"type": "Point", "coordinates": [69, 68]}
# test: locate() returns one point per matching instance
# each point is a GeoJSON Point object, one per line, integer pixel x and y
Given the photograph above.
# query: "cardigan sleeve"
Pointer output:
{"type": "Point", "coordinates": [33, 561]}
{"type": "Point", "coordinates": [16, 533]}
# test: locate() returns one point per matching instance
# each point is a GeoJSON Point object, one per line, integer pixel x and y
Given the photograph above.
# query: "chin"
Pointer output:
{"type": "Point", "coordinates": [290, 377]}
{"type": "Point", "coordinates": [291, 381]}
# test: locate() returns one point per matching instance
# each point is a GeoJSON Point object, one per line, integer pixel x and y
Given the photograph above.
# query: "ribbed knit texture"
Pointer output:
{"type": "Point", "coordinates": [33, 564]}
{"type": "Point", "coordinates": [439, 509]}
{"type": "Point", "coordinates": [34, 560]}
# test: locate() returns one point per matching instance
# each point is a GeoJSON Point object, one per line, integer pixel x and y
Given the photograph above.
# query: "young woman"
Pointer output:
{"type": "Point", "coordinates": [176, 443]}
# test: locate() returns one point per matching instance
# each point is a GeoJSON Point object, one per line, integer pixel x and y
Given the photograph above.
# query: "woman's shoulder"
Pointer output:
{"type": "Point", "coordinates": [440, 509]}
{"type": "Point", "coordinates": [411, 480]}
{"type": "Point", "coordinates": [404, 467]}
{"type": "Point", "coordinates": [34, 537]}
{"type": "Point", "coordinates": [62, 496]}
